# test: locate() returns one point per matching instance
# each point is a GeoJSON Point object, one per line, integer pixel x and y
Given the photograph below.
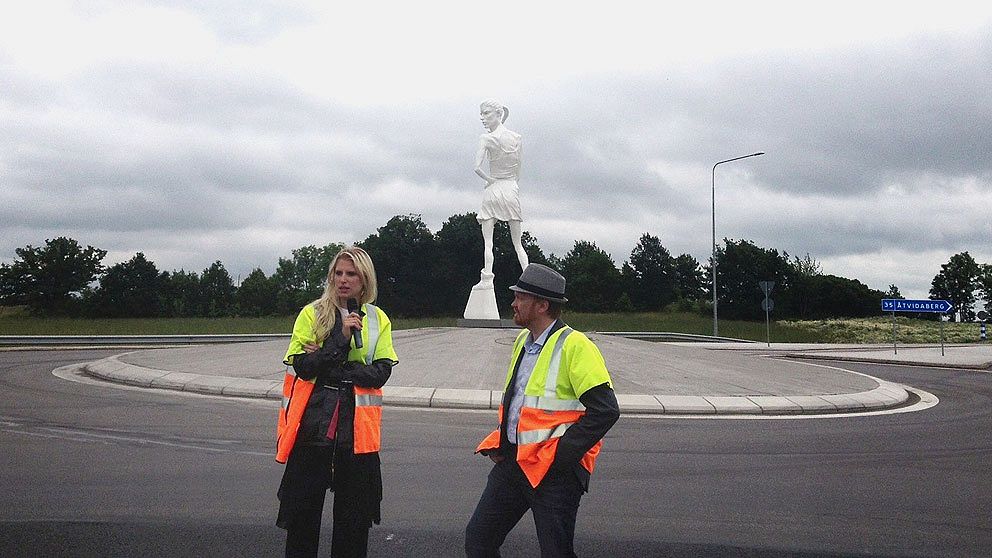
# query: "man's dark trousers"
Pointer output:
{"type": "Point", "coordinates": [508, 496]}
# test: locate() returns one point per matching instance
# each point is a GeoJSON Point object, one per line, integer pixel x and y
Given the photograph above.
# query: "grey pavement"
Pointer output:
{"type": "Point", "coordinates": [466, 368]}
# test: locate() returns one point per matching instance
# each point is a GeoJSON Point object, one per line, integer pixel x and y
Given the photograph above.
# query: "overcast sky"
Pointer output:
{"type": "Point", "coordinates": [238, 130]}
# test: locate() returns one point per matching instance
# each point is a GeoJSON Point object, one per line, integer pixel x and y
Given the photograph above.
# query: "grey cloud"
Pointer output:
{"type": "Point", "coordinates": [843, 122]}
{"type": "Point", "coordinates": [847, 123]}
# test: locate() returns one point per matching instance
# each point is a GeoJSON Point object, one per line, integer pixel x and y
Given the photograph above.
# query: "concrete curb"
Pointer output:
{"type": "Point", "coordinates": [886, 395]}
{"type": "Point", "coordinates": [877, 360]}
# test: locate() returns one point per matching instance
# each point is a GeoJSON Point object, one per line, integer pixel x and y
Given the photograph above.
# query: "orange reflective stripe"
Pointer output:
{"type": "Point", "coordinates": [536, 459]}
{"type": "Point", "coordinates": [490, 442]}
{"type": "Point", "coordinates": [588, 460]}
{"type": "Point", "coordinates": [537, 425]}
{"type": "Point", "coordinates": [537, 419]}
{"type": "Point", "coordinates": [295, 394]}
{"type": "Point", "coordinates": [368, 419]}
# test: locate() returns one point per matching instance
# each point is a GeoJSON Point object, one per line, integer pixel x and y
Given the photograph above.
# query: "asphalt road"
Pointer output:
{"type": "Point", "coordinates": [97, 470]}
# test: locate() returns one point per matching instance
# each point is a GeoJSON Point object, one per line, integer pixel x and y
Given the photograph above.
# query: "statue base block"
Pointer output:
{"type": "Point", "coordinates": [482, 300]}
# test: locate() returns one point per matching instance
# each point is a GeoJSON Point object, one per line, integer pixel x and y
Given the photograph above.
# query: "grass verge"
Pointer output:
{"type": "Point", "coordinates": [862, 331]}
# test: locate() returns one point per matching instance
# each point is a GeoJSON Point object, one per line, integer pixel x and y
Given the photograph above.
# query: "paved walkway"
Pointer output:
{"type": "Point", "coordinates": [466, 368]}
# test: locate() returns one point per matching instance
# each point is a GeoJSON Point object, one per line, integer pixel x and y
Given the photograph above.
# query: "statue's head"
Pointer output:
{"type": "Point", "coordinates": [492, 114]}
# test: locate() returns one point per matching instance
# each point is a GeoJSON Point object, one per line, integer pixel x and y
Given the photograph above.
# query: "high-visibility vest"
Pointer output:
{"type": "Point", "coordinates": [551, 400]}
{"type": "Point", "coordinates": [377, 343]}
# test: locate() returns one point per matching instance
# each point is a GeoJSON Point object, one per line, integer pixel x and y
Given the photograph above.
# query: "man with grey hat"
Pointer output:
{"type": "Point", "coordinates": [558, 403]}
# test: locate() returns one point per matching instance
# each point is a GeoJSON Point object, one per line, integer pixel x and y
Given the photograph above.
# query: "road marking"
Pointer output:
{"type": "Point", "coordinates": [74, 373]}
{"type": "Point", "coordinates": [117, 437]}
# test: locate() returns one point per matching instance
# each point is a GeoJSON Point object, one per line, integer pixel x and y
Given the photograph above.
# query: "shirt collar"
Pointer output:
{"type": "Point", "coordinates": [541, 339]}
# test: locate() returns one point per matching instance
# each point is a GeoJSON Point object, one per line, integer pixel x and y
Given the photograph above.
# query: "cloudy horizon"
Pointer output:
{"type": "Point", "coordinates": [241, 131]}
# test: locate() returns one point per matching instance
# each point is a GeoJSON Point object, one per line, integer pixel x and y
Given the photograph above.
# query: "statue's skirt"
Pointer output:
{"type": "Point", "coordinates": [501, 201]}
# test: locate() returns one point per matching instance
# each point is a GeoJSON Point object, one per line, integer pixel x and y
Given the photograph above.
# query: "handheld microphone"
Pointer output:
{"type": "Point", "coordinates": [355, 333]}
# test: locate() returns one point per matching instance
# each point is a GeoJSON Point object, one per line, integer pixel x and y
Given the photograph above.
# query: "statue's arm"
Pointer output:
{"type": "Point", "coordinates": [481, 157]}
{"type": "Point", "coordinates": [520, 158]}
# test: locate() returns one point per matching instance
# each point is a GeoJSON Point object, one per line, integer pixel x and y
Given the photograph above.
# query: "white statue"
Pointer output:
{"type": "Point", "coordinates": [501, 148]}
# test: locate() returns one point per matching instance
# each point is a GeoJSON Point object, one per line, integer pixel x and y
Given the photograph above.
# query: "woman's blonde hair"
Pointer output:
{"type": "Point", "coordinates": [327, 305]}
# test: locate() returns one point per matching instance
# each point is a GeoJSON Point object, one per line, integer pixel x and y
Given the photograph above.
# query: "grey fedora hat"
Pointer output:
{"type": "Point", "coordinates": [542, 281]}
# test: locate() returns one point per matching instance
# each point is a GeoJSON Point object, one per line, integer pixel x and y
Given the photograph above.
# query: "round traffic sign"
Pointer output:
{"type": "Point", "coordinates": [983, 315]}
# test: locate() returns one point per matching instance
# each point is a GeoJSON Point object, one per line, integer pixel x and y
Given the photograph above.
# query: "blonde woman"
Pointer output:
{"type": "Point", "coordinates": [340, 355]}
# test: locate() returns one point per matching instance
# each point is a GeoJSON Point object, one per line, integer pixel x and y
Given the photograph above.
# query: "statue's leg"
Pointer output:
{"type": "Point", "coordinates": [516, 232]}
{"type": "Point", "coordinates": [487, 237]}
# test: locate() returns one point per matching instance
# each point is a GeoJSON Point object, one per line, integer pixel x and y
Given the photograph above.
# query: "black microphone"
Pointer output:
{"type": "Point", "coordinates": [356, 334]}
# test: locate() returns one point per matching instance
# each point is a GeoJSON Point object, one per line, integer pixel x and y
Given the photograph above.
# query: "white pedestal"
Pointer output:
{"type": "Point", "coordinates": [482, 300]}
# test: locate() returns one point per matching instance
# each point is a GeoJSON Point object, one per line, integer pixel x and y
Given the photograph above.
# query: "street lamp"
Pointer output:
{"type": "Point", "coordinates": [716, 330]}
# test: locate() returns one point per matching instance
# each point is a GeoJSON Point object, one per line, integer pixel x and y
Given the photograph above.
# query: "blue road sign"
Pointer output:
{"type": "Point", "coordinates": [903, 305]}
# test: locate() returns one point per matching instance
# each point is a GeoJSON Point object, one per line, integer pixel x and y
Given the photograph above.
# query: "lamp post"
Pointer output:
{"type": "Point", "coordinates": [716, 330]}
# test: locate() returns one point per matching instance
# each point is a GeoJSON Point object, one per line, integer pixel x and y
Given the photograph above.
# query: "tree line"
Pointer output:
{"type": "Point", "coordinates": [962, 281]}
{"type": "Point", "coordinates": [422, 274]}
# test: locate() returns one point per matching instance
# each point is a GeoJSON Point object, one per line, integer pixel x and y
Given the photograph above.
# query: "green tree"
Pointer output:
{"type": "Point", "coordinates": [829, 296]}
{"type": "Point", "coordinates": [301, 280]}
{"type": "Point", "coordinates": [806, 288]}
{"type": "Point", "coordinates": [650, 276]}
{"type": "Point", "coordinates": [740, 267]}
{"type": "Point", "coordinates": [290, 294]}
{"type": "Point", "coordinates": [806, 267]}
{"type": "Point", "coordinates": [130, 289]}
{"type": "Point", "coordinates": [49, 279]}
{"type": "Point", "coordinates": [592, 279]}
{"type": "Point", "coordinates": [8, 292]}
{"type": "Point", "coordinates": [180, 294]}
{"type": "Point", "coordinates": [893, 292]}
{"type": "Point", "coordinates": [690, 281]}
{"type": "Point", "coordinates": [956, 283]}
{"type": "Point", "coordinates": [405, 255]}
{"type": "Point", "coordinates": [459, 255]}
{"type": "Point", "coordinates": [217, 291]}
{"type": "Point", "coordinates": [985, 285]}
{"type": "Point", "coordinates": [256, 295]}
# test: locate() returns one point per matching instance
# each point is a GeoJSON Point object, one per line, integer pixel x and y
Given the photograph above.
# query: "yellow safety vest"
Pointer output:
{"type": "Point", "coordinates": [551, 400]}
{"type": "Point", "coordinates": [377, 343]}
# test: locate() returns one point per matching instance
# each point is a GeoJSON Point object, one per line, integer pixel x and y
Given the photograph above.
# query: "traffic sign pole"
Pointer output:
{"type": "Point", "coordinates": [768, 330]}
{"type": "Point", "coordinates": [903, 305]}
{"type": "Point", "coordinates": [941, 335]}
{"type": "Point", "coordinates": [767, 304]}
{"type": "Point", "coordinates": [895, 351]}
